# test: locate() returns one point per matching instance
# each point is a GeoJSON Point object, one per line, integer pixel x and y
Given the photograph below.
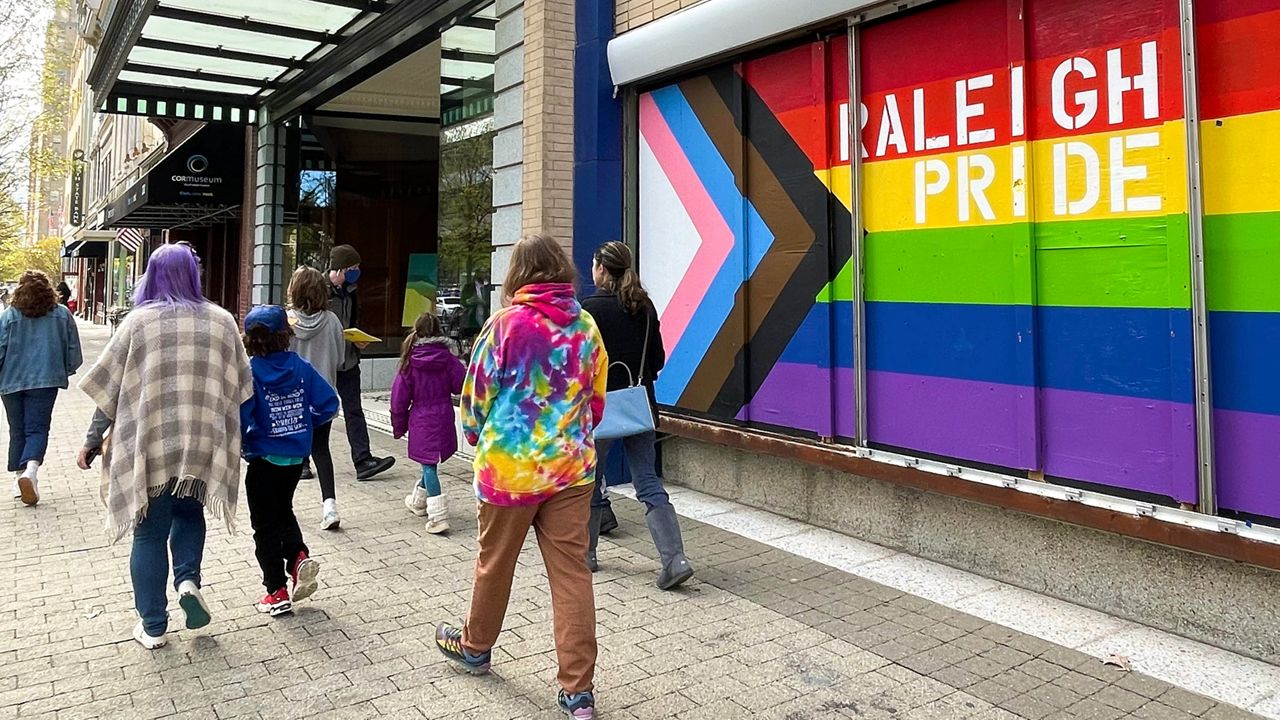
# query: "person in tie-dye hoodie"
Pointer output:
{"type": "Point", "coordinates": [533, 396]}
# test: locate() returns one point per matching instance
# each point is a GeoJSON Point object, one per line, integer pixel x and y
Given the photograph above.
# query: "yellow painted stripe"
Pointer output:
{"type": "Point", "coordinates": [930, 193]}
{"type": "Point", "coordinates": [1241, 163]}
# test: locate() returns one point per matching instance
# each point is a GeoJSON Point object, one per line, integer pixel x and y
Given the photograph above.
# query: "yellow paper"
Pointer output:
{"type": "Point", "coordinates": [356, 335]}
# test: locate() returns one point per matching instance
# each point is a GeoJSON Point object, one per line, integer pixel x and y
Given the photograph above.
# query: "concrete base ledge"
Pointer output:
{"type": "Point", "coordinates": [1211, 599]}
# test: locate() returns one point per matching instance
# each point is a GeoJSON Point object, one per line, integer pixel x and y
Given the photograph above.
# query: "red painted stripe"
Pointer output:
{"type": "Point", "coordinates": [1063, 27]}
{"type": "Point", "coordinates": [1215, 11]}
{"type": "Point", "coordinates": [1238, 58]}
{"type": "Point", "coordinates": [955, 39]}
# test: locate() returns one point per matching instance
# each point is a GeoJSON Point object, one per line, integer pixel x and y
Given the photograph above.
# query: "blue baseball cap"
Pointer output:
{"type": "Point", "coordinates": [272, 317]}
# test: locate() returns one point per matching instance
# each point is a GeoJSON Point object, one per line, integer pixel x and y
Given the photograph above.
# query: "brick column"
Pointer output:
{"type": "Point", "coordinates": [548, 117]}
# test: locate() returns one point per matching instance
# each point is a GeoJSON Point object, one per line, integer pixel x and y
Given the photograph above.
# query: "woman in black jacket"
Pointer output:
{"type": "Point", "coordinates": [629, 325]}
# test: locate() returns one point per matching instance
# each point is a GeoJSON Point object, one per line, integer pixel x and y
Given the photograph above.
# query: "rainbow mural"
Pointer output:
{"type": "Point", "coordinates": [1026, 256]}
{"type": "Point", "coordinates": [1240, 124]}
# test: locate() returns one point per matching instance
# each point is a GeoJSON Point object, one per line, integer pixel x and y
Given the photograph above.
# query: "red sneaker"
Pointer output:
{"type": "Point", "coordinates": [305, 570]}
{"type": "Point", "coordinates": [275, 603]}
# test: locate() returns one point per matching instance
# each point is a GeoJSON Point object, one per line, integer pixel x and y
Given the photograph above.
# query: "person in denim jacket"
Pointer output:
{"type": "Point", "coordinates": [39, 351]}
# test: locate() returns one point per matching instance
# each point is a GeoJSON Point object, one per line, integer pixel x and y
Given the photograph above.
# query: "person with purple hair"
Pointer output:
{"type": "Point", "coordinates": [168, 386]}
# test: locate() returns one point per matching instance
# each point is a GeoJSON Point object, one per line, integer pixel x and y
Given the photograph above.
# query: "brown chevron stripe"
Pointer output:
{"type": "Point", "coordinates": [793, 239]}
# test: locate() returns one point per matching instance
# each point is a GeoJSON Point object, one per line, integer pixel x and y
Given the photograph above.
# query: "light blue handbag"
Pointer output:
{"type": "Point", "coordinates": [627, 411]}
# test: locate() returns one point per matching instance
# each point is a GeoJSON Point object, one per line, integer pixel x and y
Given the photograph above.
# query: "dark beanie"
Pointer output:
{"type": "Point", "coordinates": [343, 256]}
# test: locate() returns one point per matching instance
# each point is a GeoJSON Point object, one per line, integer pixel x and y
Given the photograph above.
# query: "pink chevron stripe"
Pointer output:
{"type": "Point", "coordinates": [716, 239]}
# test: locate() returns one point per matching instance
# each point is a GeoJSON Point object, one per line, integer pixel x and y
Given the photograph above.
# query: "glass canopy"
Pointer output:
{"type": "Point", "coordinates": [227, 58]}
{"type": "Point", "coordinates": [231, 53]}
{"type": "Point", "coordinates": [467, 53]}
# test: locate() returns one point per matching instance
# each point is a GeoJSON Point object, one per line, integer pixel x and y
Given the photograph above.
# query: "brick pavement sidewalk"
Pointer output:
{"type": "Point", "coordinates": [758, 633]}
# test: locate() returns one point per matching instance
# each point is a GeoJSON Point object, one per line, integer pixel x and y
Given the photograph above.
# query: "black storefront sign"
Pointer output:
{"type": "Point", "coordinates": [75, 213]}
{"type": "Point", "coordinates": [206, 170]}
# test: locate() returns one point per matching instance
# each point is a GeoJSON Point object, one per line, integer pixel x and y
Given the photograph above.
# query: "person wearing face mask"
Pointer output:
{"type": "Point", "coordinates": [344, 275]}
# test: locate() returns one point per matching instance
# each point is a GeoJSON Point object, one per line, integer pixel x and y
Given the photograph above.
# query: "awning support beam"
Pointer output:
{"type": "Point", "coordinates": [220, 52]}
{"type": "Point", "coordinates": [467, 56]}
{"type": "Point", "coordinates": [260, 83]}
{"type": "Point", "coordinates": [366, 5]}
{"type": "Point", "coordinates": [256, 26]}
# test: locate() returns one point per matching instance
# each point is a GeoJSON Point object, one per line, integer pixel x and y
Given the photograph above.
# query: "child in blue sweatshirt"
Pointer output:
{"type": "Point", "coordinates": [290, 399]}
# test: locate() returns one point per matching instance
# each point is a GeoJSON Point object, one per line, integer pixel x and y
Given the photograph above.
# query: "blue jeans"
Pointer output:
{"type": "Point", "coordinates": [642, 462]}
{"type": "Point", "coordinates": [171, 524]}
{"type": "Point", "coordinates": [30, 412]}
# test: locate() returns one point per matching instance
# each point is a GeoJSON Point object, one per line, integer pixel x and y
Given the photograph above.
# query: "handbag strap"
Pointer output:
{"type": "Point", "coordinates": [644, 354]}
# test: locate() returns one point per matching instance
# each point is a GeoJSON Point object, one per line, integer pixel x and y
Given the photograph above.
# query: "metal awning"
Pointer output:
{"type": "Point", "coordinates": [228, 60]}
{"type": "Point", "coordinates": [88, 248]}
{"type": "Point", "coordinates": [197, 183]}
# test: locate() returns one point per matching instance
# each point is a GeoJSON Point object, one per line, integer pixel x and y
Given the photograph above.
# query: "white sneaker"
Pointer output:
{"type": "Point", "coordinates": [329, 519]}
{"type": "Point", "coordinates": [17, 491]}
{"type": "Point", "coordinates": [192, 603]}
{"type": "Point", "coordinates": [28, 490]}
{"type": "Point", "coordinates": [416, 501]}
{"type": "Point", "coordinates": [147, 641]}
{"type": "Point", "coordinates": [437, 515]}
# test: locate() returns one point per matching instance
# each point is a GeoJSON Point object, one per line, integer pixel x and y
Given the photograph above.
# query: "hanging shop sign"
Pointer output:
{"type": "Point", "coordinates": [76, 211]}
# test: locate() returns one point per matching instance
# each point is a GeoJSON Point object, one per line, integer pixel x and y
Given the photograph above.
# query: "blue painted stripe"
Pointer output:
{"type": "Point", "coordinates": [752, 240]}
{"type": "Point", "coordinates": [1134, 352]}
{"type": "Point", "coordinates": [1244, 347]}
{"type": "Point", "coordinates": [811, 345]}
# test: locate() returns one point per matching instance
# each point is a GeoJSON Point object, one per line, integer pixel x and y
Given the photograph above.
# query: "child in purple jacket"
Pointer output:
{"type": "Point", "coordinates": [422, 406]}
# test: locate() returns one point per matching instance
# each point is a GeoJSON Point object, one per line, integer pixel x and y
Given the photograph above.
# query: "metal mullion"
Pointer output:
{"type": "Point", "coordinates": [479, 23]}
{"type": "Point", "coordinates": [260, 83]}
{"type": "Point", "coordinates": [376, 6]}
{"type": "Point", "coordinates": [856, 232]}
{"type": "Point", "coordinates": [255, 26]}
{"type": "Point", "coordinates": [467, 56]}
{"type": "Point", "coordinates": [1207, 481]}
{"type": "Point", "coordinates": [220, 52]}
{"type": "Point", "coordinates": [484, 83]}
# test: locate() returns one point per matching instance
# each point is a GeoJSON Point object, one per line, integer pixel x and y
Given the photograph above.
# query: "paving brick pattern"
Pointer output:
{"type": "Point", "coordinates": [759, 633]}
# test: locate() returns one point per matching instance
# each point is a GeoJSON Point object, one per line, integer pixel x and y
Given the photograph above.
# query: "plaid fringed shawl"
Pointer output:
{"type": "Point", "coordinates": [172, 379]}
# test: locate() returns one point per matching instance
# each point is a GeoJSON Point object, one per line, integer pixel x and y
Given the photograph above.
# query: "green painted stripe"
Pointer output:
{"type": "Point", "coordinates": [1084, 263]}
{"type": "Point", "coordinates": [1140, 262]}
{"type": "Point", "coordinates": [1242, 262]}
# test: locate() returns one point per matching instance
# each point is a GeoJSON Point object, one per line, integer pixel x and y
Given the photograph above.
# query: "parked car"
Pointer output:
{"type": "Point", "coordinates": [446, 304]}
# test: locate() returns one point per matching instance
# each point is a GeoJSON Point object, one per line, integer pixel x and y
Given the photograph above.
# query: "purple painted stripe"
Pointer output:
{"type": "Point", "coordinates": [965, 419]}
{"type": "Point", "coordinates": [1123, 442]}
{"type": "Point", "coordinates": [1247, 453]}
{"type": "Point", "coordinates": [1126, 442]}
{"type": "Point", "coordinates": [800, 396]}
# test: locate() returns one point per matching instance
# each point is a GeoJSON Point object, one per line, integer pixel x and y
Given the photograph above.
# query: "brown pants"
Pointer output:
{"type": "Point", "coordinates": [561, 527]}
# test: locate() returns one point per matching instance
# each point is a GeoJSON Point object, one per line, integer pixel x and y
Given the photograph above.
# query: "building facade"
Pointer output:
{"type": "Point", "coordinates": [1031, 260]}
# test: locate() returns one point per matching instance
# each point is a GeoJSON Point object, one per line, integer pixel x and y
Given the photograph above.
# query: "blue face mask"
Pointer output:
{"type": "Point", "coordinates": [352, 276]}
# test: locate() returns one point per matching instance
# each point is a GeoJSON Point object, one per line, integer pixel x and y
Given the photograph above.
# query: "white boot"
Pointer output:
{"type": "Point", "coordinates": [28, 487]}
{"type": "Point", "coordinates": [416, 501]}
{"type": "Point", "coordinates": [437, 515]}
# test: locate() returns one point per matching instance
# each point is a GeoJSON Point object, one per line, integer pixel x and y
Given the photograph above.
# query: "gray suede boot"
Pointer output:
{"type": "Point", "coordinates": [593, 538]}
{"type": "Point", "coordinates": [665, 529]}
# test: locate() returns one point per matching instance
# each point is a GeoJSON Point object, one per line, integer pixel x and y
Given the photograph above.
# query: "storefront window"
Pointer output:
{"type": "Point", "coordinates": [310, 239]}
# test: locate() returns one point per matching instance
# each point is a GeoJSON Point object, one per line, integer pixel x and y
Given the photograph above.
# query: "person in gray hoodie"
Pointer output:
{"type": "Point", "coordinates": [317, 338]}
